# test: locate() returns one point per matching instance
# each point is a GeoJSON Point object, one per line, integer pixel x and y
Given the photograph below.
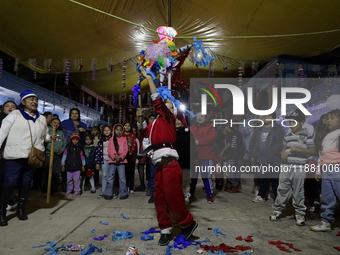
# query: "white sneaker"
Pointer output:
{"type": "Point", "coordinates": [132, 192]}
{"type": "Point", "coordinates": [269, 197]}
{"type": "Point", "coordinates": [259, 199]}
{"type": "Point", "coordinates": [322, 227]}
{"type": "Point", "coordinates": [300, 220]}
{"type": "Point", "coordinates": [256, 193]}
{"type": "Point", "coordinates": [275, 216]}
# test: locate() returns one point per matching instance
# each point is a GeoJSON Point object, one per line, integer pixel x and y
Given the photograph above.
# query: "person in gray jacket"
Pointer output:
{"type": "Point", "coordinates": [265, 150]}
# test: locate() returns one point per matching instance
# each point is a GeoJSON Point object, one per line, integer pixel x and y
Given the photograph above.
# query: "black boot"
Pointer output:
{"type": "Point", "coordinates": [23, 197]}
{"type": "Point", "coordinates": [4, 198]}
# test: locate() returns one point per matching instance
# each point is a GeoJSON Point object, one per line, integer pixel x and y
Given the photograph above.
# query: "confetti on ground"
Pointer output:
{"type": "Point", "coordinates": [150, 231]}
{"type": "Point", "coordinates": [93, 231]}
{"type": "Point", "coordinates": [101, 238]}
{"type": "Point", "coordinates": [125, 217]}
{"type": "Point", "coordinates": [248, 239]}
{"type": "Point", "coordinates": [279, 244]}
{"type": "Point", "coordinates": [217, 231]}
{"type": "Point", "coordinates": [147, 237]}
{"type": "Point", "coordinates": [103, 223]}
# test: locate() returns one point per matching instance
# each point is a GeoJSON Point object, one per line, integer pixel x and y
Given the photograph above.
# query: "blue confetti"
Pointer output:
{"type": "Point", "coordinates": [101, 238]}
{"type": "Point", "coordinates": [93, 231]}
{"type": "Point", "coordinates": [91, 250]}
{"type": "Point", "coordinates": [103, 223]}
{"type": "Point", "coordinates": [119, 235]}
{"type": "Point", "coordinates": [217, 231]}
{"type": "Point", "coordinates": [168, 250]}
{"type": "Point", "coordinates": [150, 231]}
{"type": "Point", "coordinates": [125, 217]}
{"type": "Point", "coordinates": [147, 237]}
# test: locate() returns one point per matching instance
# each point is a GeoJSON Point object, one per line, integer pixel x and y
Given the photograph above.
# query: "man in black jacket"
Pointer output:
{"type": "Point", "coordinates": [265, 150]}
{"type": "Point", "coordinates": [186, 148]}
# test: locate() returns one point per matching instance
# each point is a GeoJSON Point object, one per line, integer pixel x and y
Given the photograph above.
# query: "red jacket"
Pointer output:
{"type": "Point", "coordinates": [131, 138]}
{"type": "Point", "coordinates": [162, 130]}
{"type": "Point", "coordinates": [206, 135]}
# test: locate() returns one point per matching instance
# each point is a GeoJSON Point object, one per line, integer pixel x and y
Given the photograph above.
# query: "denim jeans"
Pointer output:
{"type": "Point", "coordinates": [111, 178]}
{"type": "Point", "coordinates": [105, 170]}
{"type": "Point", "coordinates": [17, 172]}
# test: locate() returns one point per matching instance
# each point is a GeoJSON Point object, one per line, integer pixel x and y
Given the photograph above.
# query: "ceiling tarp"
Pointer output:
{"type": "Point", "coordinates": [62, 29]}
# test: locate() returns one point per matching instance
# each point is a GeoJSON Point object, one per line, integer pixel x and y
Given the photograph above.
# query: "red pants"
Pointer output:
{"type": "Point", "coordinates": [169, 195]}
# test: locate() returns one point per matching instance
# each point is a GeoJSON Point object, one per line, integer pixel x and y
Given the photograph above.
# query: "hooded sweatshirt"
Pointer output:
{"type": "Point", "coordinates": [123, 147]}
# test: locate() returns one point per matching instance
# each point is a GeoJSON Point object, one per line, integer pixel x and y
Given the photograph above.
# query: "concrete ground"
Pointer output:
{"type": "Point", "coordinates": [68, 220]}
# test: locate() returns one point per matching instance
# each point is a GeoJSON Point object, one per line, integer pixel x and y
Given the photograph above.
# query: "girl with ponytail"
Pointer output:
{"type": "Point", "coordinates": [117, 149]}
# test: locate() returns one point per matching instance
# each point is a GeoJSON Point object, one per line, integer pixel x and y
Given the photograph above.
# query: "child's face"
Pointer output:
{"type": "Point", "coordinates": [297, 127]}
{"type": "Point", "coordinates": [118, 131]}
{"type": "Point", "coordinates": [333, 123]}
{"type": "Point", "coordinates": [127, 127]}
{"type": "Point", "coordinates": [55, 123]}
{"type": "Point", "coordinates": [88, 140]}
{"type": "Point", "coordinates": [75, 141]}
{"type": "Point", "coordinates": [95, 131]}
{"type": "Point", "coordinates": [107, 131]}
{"type": "Point", "coordinates": [134, 131]}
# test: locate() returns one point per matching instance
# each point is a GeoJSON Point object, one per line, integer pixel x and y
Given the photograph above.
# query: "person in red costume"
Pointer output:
{"type": "Point", "coordinates": [168, 181]}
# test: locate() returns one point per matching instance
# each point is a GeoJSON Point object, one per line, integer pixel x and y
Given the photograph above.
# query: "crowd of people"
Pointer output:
{"type": "Point", "coordinates": [165, 153]}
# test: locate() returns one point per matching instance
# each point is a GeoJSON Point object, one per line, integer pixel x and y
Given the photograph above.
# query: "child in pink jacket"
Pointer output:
{"type": "Point", "coordinates": [118, 149]}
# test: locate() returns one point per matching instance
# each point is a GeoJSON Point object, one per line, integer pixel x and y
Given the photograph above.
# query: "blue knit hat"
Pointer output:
{"type": "Point", "coordinates": [26, 93]}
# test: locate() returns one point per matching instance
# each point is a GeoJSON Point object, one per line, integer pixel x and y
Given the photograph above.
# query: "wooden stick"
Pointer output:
{"type": "Point", "coordinates": [50, 169]}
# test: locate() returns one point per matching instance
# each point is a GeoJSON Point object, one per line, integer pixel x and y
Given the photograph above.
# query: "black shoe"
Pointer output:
{"type": "Point", "coordinates": [151, 200]}
{"type": "Point", "coordinates": [148, 192]}
{"type": "Point", "coordinates": [164, 240]}
{"type": "Point", "coordinates": [124, 197]}
{"type": "Point", "coordinates": [107, 197]}
{"type": "Point", "coordinates": [23, 198]}
{"type": "Point", "coordinates": [140, 188]}
{"type": "Point", "coordinates": [3, 220]}
{"type": "Point", "coordinates": [187, 232]}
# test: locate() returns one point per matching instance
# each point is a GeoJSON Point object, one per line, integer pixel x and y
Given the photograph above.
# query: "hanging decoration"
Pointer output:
{"type": "Point", "coordinates": [53, 103]}
{"type": "Point", "coordinates": [280, 68]}
{"type": "Point", "coordinates": [209, 73]}
{"type": "Point", "coordinates": [97, 103]}
{"type": "Point", "coordinates": [240, 73]}
{"type": "Point", "coordinates": [301, 74]}
{"type": "Point", "coordinates": [78, 64]}
{"type": "Point", "coordinates": [130, 103]}
{"type": "Point", "coordinates": [48, 64]}
{"type": "Point", "coordinates": [33, 63]}
{"type": "Point", "coordinates": [332, 71]}
{"type": "Point", "coordinates": [67, 71]}
{"type": "Point", "coordinates": [83, 100]}
{"type": "Point", "coordinates": [1, 67]}
{"type": "Point", "coordinates": [316, 70]}
{"type": "Point", "coordinates": [93, 66]}
{"type": "Point", "coordinates": [109, 66]}
{"type": "Point", "coordinates": [123, 74]}
{"type": "Point", "coordinates": [160, 57]}
{"type": "Point", "coordinates": [16, 65]}
{"type": "Point", "coordinates": [254, 68]}
{"type": "Point", "coordinates": [120, 114]}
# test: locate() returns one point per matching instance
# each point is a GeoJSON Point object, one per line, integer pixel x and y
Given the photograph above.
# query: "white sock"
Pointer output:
{"type": "Point", "coordinates": [92, 183]}
{"type": "Point", "coordinates": [166, 230]}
